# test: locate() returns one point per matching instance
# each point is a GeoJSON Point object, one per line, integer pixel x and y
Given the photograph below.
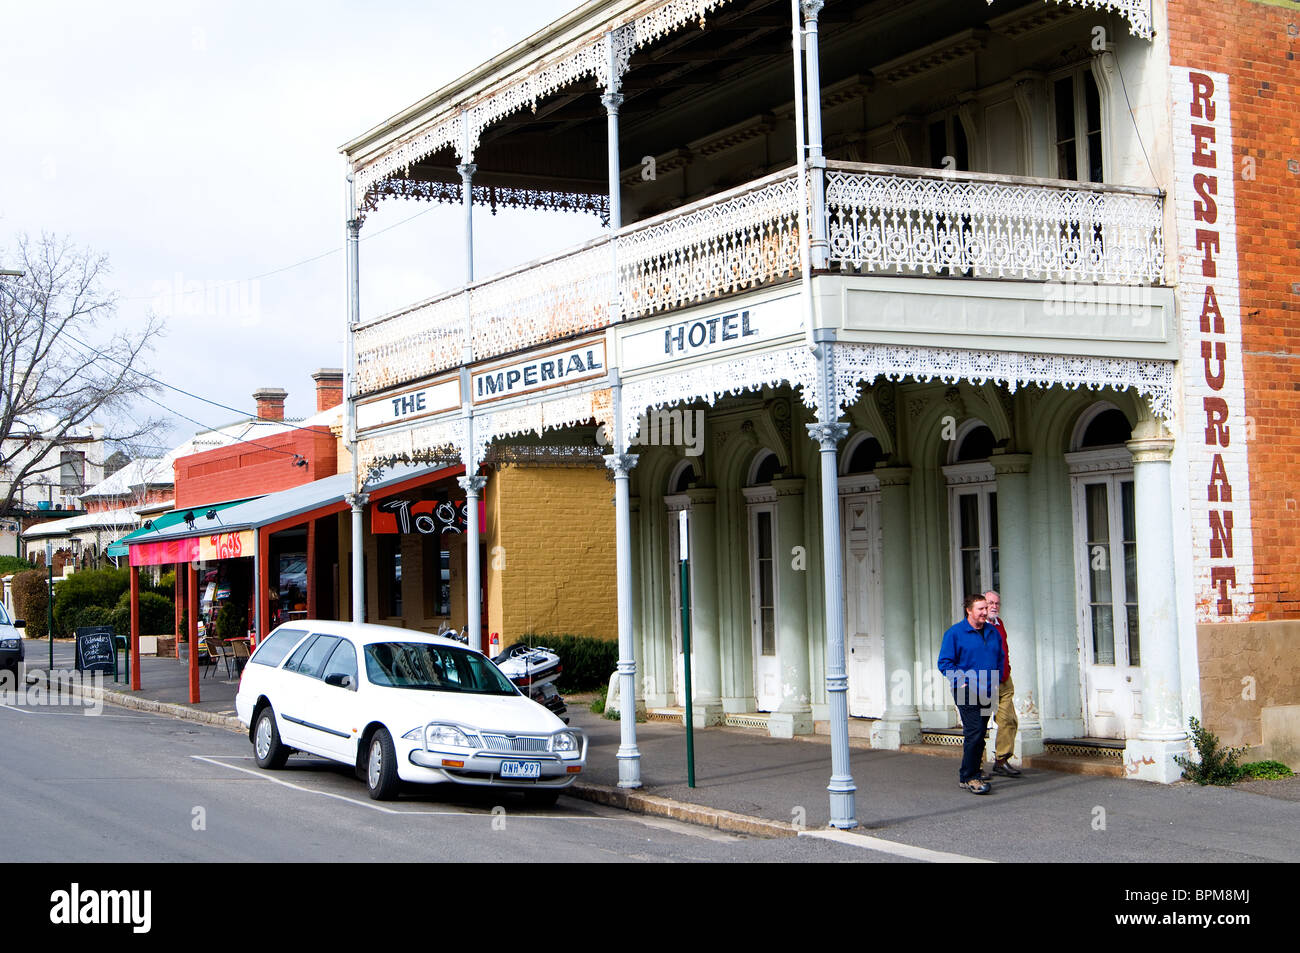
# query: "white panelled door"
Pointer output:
{"type": "Point", "coordinates": [864, 636]}
{"type": "Point", "coordinates": [1105, 533]}
{"type": "Point", "coordinates": [763, 596]}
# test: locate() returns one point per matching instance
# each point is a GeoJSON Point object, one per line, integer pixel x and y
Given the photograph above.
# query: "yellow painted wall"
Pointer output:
{"type": "Point", "coordinates": [550, 561]}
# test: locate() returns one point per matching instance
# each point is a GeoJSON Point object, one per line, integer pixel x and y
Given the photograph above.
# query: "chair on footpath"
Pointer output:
{"type": "Point", "coordinates": [208, 659]}
{"type": "Point", "coordinates": [219, 649]}
{"type": "Point", "coordinates": [239, 652]}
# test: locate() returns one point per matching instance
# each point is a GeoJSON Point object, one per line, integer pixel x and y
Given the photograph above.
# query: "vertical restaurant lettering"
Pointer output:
{"type": "Point", "coordinates": [1214, 347]}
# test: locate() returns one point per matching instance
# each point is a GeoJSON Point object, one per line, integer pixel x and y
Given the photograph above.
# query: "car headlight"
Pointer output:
{"type": "Point", "coordinates": [442, 736]}
{"type": "Point", "coordinates": [8, 643]}
{"type": "Point", "coordinates": [565, 742]}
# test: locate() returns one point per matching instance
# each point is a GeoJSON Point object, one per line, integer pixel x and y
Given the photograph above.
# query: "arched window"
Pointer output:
{"type": "Point", "coordinates": [862, 455]}
{"type": "Point", "coordinates": [764, 468]}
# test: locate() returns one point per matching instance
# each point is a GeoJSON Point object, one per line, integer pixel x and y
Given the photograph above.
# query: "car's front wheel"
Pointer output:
{"type": "Point", "coordinates": [270, 751]}
{"type": "Point", "coordinates": [381, 766]}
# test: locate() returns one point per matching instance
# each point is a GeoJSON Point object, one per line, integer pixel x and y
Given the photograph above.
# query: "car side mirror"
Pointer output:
{"type": "Point", "coordinates": [339, 680]}
{"type": "Point", "coordinates": [19, 624]}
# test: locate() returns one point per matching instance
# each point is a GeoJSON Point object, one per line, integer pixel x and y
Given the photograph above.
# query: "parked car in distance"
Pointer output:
{"type": "Point", "coordinates": [399, 705]}
{"type": "Point", "coordinates": [11, 643]}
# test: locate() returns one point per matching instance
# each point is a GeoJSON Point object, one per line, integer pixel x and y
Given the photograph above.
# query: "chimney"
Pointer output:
{"type": "Point", "coordinates": [329, 387]}
{"type": "Point", "coordinates": [270, 402]}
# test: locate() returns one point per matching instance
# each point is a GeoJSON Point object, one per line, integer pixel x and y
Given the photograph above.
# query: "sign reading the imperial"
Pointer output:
{"type": "Point", "coordinates": [409, 405]}
{"type": "Point", "coordinates": [712, 333]}
{"type": "Point", "coordinates": [540, 372]}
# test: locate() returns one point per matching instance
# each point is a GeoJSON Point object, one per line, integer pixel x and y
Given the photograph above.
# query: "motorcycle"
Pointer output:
{"type": "Point", "coordinates": [534, 670]}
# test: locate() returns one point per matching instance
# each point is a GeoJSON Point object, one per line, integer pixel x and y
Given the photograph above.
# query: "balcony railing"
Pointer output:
{"type": "Point", "coordinates": [879, 219]}
{"type": "Point", "coordinates": [906, 221]}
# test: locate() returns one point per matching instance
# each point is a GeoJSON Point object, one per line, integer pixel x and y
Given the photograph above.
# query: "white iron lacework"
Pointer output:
{"type": "Point", "coordinates": [442, 440]}
{"type": "Point", "coordinates": [568, 411]}
{"type": "Point", "coordinates": [410, 345]}
{"type": "Point", "coordinates": [743, 239]}
{"type": "Point", "coordinates": [794, 366]}
{"type": "Point", "coordinates": [542, 302]}
{"type": "Point", "coordinates": [881, 221]}
{"type": "Point", "coordinates": [856, 364]}
{"type": "Point", "coordinates": [582, 59]}
{"type": "Point", "coordinates": [1136, 12]}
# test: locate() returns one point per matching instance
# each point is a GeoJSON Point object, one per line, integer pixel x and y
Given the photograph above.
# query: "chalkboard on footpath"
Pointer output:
{"type": "Point", "coordinates": [95, 652]}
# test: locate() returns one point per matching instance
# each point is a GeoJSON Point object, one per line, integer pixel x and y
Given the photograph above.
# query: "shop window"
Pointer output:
{"type": "Point", "coordinates": [436, 570]}
{"type": "Point", "coordinates": [390, 575]}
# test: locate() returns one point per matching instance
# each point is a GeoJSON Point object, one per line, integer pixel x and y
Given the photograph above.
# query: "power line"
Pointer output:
{"type": "Point", "coordinates": [277, 271]}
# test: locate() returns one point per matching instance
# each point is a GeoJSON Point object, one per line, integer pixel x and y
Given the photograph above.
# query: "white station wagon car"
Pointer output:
{"type": "Point", "coordinates": [401, 706]}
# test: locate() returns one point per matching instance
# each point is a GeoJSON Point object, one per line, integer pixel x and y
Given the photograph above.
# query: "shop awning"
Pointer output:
{"type": "Point", "coordinates": [162, 522]}
{"type": "Point", "coordinates": [229, 531]}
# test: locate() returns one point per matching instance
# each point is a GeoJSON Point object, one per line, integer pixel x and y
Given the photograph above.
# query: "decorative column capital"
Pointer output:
{"type": "Point", "coordinates": [621, 463]}
{"type": "Point", "coordinates": [466, 170]}
{"type": "Point", "coordinates": [612, 101]}
{"type": "Point", "coordinates": [893, 476]}
{"type": "Point", "coordinates": [354, 227]}
{"type": "Point", "coordinates": [472, 485]}
{"type": "Point", "coordinates": [828, 435]}
{"type": "Point", "coordinates": [811, 8]}
{"type": "Point", "coordinates": [1008, 463]}
{"type": "Point", "coordinates": [1151, 449]}
{"type": "Point", "coordinates": [357, 500]}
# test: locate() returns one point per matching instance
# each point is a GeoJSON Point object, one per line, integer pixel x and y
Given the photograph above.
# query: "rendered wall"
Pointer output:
{"type": "Point", "coordinates": [1246, 668]}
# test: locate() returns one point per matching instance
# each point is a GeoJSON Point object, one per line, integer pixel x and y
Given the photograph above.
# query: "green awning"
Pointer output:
{"type": "Point", "coordinates": [170, 518]}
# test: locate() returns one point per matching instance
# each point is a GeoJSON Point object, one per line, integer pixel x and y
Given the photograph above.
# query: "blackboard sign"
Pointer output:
{"type": "Point", "coordinates": [95, 652]}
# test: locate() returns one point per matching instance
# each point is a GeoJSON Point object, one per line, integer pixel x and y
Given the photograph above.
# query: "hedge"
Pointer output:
{"type": "Point", "coordinates": [588, 661]}
{"type": "Point", "coordinates": [31, 601]}
{"type": "Point", "coordinates": [90, 587]}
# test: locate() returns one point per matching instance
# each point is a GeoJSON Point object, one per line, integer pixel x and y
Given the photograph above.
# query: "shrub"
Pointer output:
{"type": "Point", "coordinates": [157, 614]}
{"type": "Point", "coordinates": [1214, 765]}
{"type": "Point", "coordinates": [587, 660]}
{"type": "Point", "coordinates": [9, 565]}
{"type": "Point", "coordinates": [31, 601]}
{"type": "Point", "coordinates": [90, 615]}
{"type": "Point", "coordinates": [90, 587]}
{"type": "Point", "coordinates": [1265, 771]}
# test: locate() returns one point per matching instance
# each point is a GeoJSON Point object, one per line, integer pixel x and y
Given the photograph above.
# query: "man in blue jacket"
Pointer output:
{"type": "Point", "coordinates": [971, 659]}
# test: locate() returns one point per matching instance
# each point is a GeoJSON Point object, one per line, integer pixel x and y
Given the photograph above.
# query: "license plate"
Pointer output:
{"type": "Point", "coordinates": [521, 769]}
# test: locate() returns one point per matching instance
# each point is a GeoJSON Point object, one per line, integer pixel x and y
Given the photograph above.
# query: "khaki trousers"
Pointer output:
{"type": "Point", "coordinates": [1005, 719]}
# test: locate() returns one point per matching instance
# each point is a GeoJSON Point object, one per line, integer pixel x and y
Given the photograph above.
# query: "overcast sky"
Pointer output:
{"type": "Point", "coordinates": [196, 145]}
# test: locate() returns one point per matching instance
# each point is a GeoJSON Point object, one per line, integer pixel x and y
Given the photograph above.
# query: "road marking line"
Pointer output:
{"type": "Point", "coordinates": [867, 842]}
{"type": "Point", "coordinates": [385, 810]}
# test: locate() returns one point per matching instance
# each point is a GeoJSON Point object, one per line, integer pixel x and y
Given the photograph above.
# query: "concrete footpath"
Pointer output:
{"type": "Point", "coordinates": [906, 803]}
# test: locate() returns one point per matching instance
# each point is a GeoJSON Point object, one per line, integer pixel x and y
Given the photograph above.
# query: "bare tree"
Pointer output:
{"type": "Point", "coordinates": [58, 374]}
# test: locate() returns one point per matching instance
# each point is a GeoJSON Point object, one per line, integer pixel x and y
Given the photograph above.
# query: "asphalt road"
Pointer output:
{"type": "Point", "coordinates": [128, 786]}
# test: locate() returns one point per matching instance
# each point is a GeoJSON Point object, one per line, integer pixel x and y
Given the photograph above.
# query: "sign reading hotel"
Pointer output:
{"type": "Point", "coordinates": [1213, 372]}
{"type": "Point", "coordinates": [539, 372]}
{"type": "Point", "coordinates": [211, 546]}
{"type": "Point", "coordinates": [409, 405]}
{"type": "Point", "coordinates": [713, 333]}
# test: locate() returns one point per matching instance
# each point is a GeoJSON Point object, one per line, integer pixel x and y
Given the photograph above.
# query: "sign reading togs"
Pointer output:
{"type": "Point", "coordinates": [539, 372]}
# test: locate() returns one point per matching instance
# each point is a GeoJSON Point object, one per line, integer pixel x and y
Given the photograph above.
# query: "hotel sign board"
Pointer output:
{"type": "Point", "coordinates": [716, 332]}
{"type": "Point", "coordinates": [539, 372]}
{"type": "Point", "coordinates": [409, 405]}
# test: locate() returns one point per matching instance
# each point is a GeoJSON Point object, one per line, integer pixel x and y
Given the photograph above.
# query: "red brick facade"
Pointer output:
{"type": "Point", "coordinates": [1257, 44]}
{"type": "Point", "coordinates": [245, 469]}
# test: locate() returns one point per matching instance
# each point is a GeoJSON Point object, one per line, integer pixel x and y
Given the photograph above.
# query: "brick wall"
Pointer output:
{"type": "Point", "coordinates": [550, 562]}
{"type": "Point", "coordinates": [1257, 44]}
{"type": "Point", "coordinates": [246, 469]}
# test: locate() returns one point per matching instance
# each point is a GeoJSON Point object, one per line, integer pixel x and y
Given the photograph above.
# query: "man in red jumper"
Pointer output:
{"type": "Point", "coordinates": [1005, 718]}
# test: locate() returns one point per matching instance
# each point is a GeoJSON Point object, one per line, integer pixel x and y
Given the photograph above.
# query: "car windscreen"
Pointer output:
{"type": "Point", "coordinates": [436, 668]}
{"type": "Point", "coordinates": [4, 616]}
